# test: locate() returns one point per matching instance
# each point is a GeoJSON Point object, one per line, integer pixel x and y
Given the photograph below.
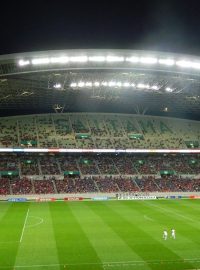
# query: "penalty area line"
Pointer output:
{"type": "Point", "coordinates": [24, 226]}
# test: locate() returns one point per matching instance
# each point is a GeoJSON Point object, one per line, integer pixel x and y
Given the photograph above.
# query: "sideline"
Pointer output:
{"type": "Point", "coordinates": [24, 226]}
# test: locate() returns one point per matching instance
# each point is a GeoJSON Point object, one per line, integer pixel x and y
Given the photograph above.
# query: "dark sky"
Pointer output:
{"type": "Point", "coordinates": [155, 25]}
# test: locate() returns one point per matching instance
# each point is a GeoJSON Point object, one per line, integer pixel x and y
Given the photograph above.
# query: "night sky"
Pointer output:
{"type": "Point", "coordinates": [172, 26]}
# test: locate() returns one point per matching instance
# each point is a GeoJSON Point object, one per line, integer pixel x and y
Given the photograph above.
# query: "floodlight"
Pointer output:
{"type": "Point", "coordinates": [111, 58]}
{"type": "Point", "coordinates": [184, 63]}
{"type": "Point", "coordinates": [142, 85]}
{"type": "Point", "coordinates": [154, 87]}
{"type": "Point", "coordinates": [61, 59]}
{"type": "Point", "coordinates": [23, 62]}
{"type": "Point", "coordinates": [133, 59]}
{"type": "Point", "coordinates": [40, 61]}
{"type": "Point", "coordinates": [57, 85]}
{"type": "Point", "coordinates": [126, 84]}
{"type": "Point", "coordinates": [81, 84]}
{"type": "Point", "coordinates": [81, 59]}
{"type": "Point", "coordinates": [97, 58]}
{"type": "Point", "coordinates": [88, 84]}
{"type": "Point", "coordinates": [168, 89]}
{"type": "Point", "coordinates": [148, 60]}
{"type": "Point", "coordinates": [195, 65]}
{"type": "Point", "coordinates": [104, 83]}
{"type": "Point", "coordinates": [111, 84]}
{"type": "Point", "coordinates": [167, 62]}
{"type": "Point", "coordinates": [96, 84]}
{"type": "Point", "coordinates": [133, 85]}
{"type": "Point", "coordinates": [73, 84]}
{"type": "Point", "coordinates": [119, 84]}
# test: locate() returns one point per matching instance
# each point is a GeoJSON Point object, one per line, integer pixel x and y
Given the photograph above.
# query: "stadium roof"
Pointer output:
{"type": "Point", "coordinates": [100, 80]}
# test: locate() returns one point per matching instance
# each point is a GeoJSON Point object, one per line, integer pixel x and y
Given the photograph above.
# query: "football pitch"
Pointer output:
{"type": "Point", "coordinates": [108, 235]}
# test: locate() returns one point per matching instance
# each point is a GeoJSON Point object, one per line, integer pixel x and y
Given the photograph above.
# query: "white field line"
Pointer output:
{"type": "Point", "coordinates": [108, 264]}
{"type": "Point", "coordinates": [148, 218]}
{"type": "Point", "coordinates": [171, 211]}
{"type": "Point", "coordinates": [24, 226]}
{"type": "Point", "coordinates": [41, 220]}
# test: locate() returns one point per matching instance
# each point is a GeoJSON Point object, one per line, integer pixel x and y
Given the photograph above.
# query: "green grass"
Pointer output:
{"type": "Point", "coordinates": [108, 235]}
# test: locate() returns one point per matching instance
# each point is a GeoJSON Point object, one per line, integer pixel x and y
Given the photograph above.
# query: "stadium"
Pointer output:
{"type": "Point", "coordinates": [99, 154]}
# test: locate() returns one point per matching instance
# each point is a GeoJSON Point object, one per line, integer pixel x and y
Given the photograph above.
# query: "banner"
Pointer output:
{"type": "Point", "coordinates": [103, 198]}
{"type": "Point", "coordinates": [17, 200]}
{"type": "Point", "coordinates": [137, 198]}
{"type": "Point", "coordinates": [73, 199]}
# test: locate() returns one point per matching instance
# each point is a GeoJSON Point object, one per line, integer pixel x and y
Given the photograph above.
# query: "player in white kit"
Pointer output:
{"type": "Point", "coordinates": [173, 233]}
{"type": "Point", "coordinates": [165, 234]}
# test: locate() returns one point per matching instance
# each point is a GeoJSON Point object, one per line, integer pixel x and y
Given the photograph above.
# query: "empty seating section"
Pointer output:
{"type": "Point", "coordinates": [9, 135]}
{"type": "Point", "coordinates": [90, 130]}
{"type": "Point", "coordinates": [64, 132]}
{"type": "Point", "coordinates": [28, 131]}
{"type": "Point", "coordinates": [46, 131]}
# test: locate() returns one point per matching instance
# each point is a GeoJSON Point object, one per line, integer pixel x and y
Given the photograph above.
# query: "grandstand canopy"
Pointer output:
{"type": "Point", "coordinates": [100, 80]}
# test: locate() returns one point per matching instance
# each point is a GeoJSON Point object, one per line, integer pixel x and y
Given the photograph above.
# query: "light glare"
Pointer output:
{"type": "Point", "coordinates": [81, 59]}
{"type": "Point", "coordinates": [148, 60]}
{"type": "Point", "coordinates": [40, 61]}
{"type": "Point", "coordinates": [167, 62]}
{"type": "Point", "coordinates": [61, 60]}
{"type": "Point", "coordinates": [57, 85]}
{"type": "Point", "coordinates": [23, 62]}
{"type": "Point", "coordinates": [97, 58]}
{"type": "Point", "coordinates": [114, 58]}
{"type": "Point", "coordinates": [73, 84]}
{"type": "Point", "coordinates": [133, 59]}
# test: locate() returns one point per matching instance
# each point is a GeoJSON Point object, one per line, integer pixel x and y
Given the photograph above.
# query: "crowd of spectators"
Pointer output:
{"type": "Point", "coordinates": [98, 184]}
{"type": "Point", "coordinates": [21, 186]}
{"type": "Point", "coordinates": [106, 184]}
{"type": "Point", "coordinates": [49, 165]}
{"type": "Point", "coordinates": [29, 166]}
{"type": "Point", "coordinates": [147, 184]}
{"type": "Point", "coordinates": [127, 184]}
{"type": "Point", "coordinates": [4, 186]}
{"type": "Point", "coordinates": [43, 186]}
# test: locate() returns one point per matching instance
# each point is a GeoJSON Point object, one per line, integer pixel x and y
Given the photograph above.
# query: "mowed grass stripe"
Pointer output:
{"type": "Point", "coordinates": [11, 225]}
{"type": "Point", "coordinates": [188, 228]}
{"type": "Point", "coordinates": [140, 240]}
{"type": "Point", "coordinates": [38, 246]}
{"type": "Point", "coordinates": [4, 208]}
{"type": "Point", "coordinates": [109, 246]}
{"type": "Point", "coordinates": [72, 243]}
{"type": "Point", "coordinates": [183, 246]}
{"type": "Point", "coordinates": [182, 218]}
{"type": "Point", "coordinates": [188, 208]}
